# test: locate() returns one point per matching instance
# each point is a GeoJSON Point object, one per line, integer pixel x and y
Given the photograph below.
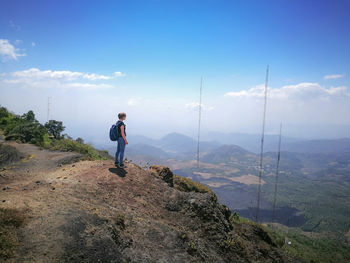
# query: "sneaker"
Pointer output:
{"type": "Point", "coordinates": [122, 165]}
{"type": "Point", "coordinates": [116, 164]}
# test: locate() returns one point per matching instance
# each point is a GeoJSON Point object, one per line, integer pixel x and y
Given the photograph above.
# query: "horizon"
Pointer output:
{"type": "Point", "coordinates": [146, 58]}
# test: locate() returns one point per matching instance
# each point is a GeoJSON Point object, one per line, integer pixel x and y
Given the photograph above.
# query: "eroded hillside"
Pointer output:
{"type": "Point", "coordinates": [55, 208]}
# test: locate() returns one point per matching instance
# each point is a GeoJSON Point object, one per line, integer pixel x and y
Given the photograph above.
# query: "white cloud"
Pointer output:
{"type": "Point", "coordinates": [96, 77]}
{"type": "Point", "coordinates": [67, 75]}
{"type": "Point", "coordinates": [88, 85]}
{"type": "Point", "coordinates": [118, 74]}
{"type": "Point", "coordinates": [34, 73]}
{"type": "Point", "coordinates": [55, 79]}
{"type": "Point", "coordinates": [302, 91]}
{"type": "Point", "coordinates": [73, 102]}
{"type": "Point", "coordinates": [8, 51]}
{"type": "Point", "coordinates": [333, 76]}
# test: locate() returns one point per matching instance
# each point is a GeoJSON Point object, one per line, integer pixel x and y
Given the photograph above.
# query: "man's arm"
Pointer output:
{"type": "Point", "coordinates": [123, 134]}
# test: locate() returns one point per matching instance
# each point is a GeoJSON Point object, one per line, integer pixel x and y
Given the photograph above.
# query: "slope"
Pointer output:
{"type": "Point", "coordinates": [90, 212]}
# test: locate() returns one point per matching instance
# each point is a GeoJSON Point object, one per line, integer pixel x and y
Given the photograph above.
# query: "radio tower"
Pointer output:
{"type": "Point", "coordinates": [277, 170]}
{"type": "Point", "coordinates": [199, 119]}
{"type": "Point", "coordinates": [262, 147]}
{"type": "Point", "coordinates": [48, 108]}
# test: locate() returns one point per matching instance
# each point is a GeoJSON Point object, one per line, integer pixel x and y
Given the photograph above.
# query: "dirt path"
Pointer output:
{"type": "Point", "coordinates": [69, 207]}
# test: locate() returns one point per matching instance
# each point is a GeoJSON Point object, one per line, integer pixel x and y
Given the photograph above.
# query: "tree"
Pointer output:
{"type": "Point", "coordinates": [54, 128]}
{"type": "Point", "coordinates": [29, 116]}
{"type": "Point", "coordinates": [25, 131]}
{"type": "Point", "coordinates": [3, 112]}
{"type": "Point", "coordinates": [80, 140]}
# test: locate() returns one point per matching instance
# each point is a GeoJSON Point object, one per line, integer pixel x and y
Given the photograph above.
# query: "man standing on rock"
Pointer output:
{"type": "Point", "coordinates": [119, 155]}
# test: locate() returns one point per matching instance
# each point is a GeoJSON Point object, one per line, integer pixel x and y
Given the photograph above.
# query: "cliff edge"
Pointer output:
{"type": "Point", "coordinates": [56, 208]}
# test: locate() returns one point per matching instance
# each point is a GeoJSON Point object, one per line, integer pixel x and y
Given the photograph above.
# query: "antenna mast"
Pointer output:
{"type": "Point", "coordinates": [277, 170]}
{"type": "Point", "coordinates": [262, 146]}
{"type": "Point", "coordinates": [48, 108]}
{"type": "Point", "coordinates": [199, 119]}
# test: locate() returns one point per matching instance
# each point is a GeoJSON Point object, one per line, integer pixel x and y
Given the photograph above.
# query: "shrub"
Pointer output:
{"type": "Point", "coordinates": [79, 140]}
{"type": "Point", "coordinates": [188, 185]}
{"type": "Point", "coordinates": [8, 154]}
{"type": "Point", "coordinates": [69, 145]}
{"type": "Point", "coordinates": [10, 220]}
{"type": "Point", "coordinates": [27, 129]}
{"type": "Point", "coordinates": [24, 129]}
{"type": "Point", "coordinates": [3, 112]}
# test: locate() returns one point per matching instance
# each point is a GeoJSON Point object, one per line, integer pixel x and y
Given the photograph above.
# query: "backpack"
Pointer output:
{"type": "Point", "coordinates": [114, 132]}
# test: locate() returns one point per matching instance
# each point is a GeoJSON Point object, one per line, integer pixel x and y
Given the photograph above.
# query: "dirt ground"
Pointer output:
{"type": "Point", "coordinates": [90, 211]}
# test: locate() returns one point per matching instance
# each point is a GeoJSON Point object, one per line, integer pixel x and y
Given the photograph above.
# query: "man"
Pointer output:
{"type": "Point", "coordinates": [119, 155]}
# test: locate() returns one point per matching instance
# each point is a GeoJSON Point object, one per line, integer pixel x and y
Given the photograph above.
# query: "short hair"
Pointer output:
{"type": "Point", "coordinates": [121, 115]}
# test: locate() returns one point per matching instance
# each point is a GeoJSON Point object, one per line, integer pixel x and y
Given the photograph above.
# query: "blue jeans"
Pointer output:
{"type": "Point", "coordinates": [120, 150]}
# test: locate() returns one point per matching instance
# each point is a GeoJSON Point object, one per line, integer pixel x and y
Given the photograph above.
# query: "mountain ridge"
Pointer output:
{"type": "Point", "coordinates": [88, 211]}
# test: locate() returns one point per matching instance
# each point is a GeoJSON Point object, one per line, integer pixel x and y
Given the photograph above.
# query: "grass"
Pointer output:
{"type": "Point", "coordinates": [187, 185]}
{"type": "Point", "coordinates": [69, 145]}
{"type": "Point", "coordinates": [119, 220]}
{"type": "Point", "coordinates": [324, 203]}
{"type": "Point", "coordinates": [10, 220]}
{"type": "Point", "coordinates": [323, 250]}
{"type": "Point", "coordinates": [310, 249]}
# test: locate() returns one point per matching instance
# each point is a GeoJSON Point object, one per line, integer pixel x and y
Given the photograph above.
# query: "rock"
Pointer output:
{"type": "Point", "coordinates": [164, 173]}
{"type": "Point", "coordinates": [226, 211]}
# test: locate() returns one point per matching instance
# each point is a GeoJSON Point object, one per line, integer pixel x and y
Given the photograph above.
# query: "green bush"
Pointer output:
{"type": "Point", "coordinates": [8, 154]}
{"type": "Point", "coordinates": [69, 145]}
{"type": "Point", "coordinates": [31, 132]}
{"type": "Point", "coordinates": [187, 185]}
{"type": "Point", "coordinates": [3, 112]}
{"type": "Point", "coordinates": [23, 129]}
{"type": "Point", "coordinates": [27, 129]}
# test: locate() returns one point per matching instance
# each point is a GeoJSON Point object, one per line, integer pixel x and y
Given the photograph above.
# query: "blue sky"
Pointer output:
{"type": "Point", "coordinates": [162, 48]}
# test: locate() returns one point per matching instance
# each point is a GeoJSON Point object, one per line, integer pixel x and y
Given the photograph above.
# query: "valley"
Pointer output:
{"type": "Point", "coordinates": [306, 180]}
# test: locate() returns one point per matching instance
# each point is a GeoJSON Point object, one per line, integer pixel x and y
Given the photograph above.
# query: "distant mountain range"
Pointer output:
{"type": "Point", "coordinates": [227, 153]}
{"type": "Point", "coordinates": [310, 171]}
{"type": "Point", "coordinates": [251, 142]}
{"type": "Point", "coordinates": [173, 145]}
{"type": "Point", "coordinates": [182, 146]}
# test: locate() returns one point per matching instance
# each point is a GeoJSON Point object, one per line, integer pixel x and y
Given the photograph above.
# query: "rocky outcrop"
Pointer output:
{"type": "Point", "coordinates": [90, 211]}
{"type": "Point", "coordinates": [163, 173]}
